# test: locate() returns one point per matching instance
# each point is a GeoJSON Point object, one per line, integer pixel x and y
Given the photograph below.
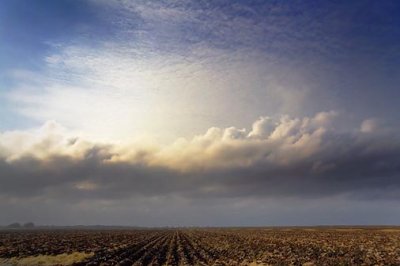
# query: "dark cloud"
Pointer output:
{"type": "Point", "coordinates": [302, 158]}
{"type": "Point", "coordinates": [224, 177]}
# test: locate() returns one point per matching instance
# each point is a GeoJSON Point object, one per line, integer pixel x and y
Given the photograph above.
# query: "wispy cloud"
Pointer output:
{"type": "Point", "coordinates": [115, 92]}
{"type": "Point", "coordinates": [199, 68]}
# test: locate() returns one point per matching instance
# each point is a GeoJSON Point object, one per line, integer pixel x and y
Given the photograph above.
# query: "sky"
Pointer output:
{"type": "Point", "coordinates": [200, 113]}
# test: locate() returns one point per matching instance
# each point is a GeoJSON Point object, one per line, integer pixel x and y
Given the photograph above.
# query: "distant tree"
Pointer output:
{"type": "Point", "coordinates": [29, 225]}
{"type": "Point", "coordinates": [14, 225]}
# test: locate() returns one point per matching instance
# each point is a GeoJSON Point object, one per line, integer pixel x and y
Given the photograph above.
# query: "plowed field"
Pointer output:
{"type": "Point", "coordinates": [261, 246]}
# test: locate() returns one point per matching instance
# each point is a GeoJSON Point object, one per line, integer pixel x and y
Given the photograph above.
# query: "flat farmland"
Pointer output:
{"type": "Point", "coordinates": [202, 246]}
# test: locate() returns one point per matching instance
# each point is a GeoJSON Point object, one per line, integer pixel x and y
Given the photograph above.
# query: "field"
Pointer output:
{"type": "Point", "coordinates": [211, 246]}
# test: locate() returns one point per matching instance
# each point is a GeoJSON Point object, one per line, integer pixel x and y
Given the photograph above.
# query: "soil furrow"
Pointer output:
{"type": "Point", "coordinates": [152, 253]}
{"type": "Point", "coordinates": [136, 257]}
{"type": "Point", "coordinates": [170, 253]}
{"type": "Point", "coordinates": [194, 251]}
{"type": "Point", "coordinates": [211, 246]}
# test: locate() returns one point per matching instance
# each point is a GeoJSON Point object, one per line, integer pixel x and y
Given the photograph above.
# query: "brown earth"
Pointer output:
{"type": "Point", "coordinates": [213, 246]}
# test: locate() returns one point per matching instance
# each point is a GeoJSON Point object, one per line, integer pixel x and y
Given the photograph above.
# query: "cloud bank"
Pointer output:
{"type": "Point", "coordinates": [278, 171]}
{"type": "Point", "coordinates": [292, 157]}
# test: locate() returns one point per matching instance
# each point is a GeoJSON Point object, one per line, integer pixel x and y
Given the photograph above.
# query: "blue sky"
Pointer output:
{"type": "Point", "coordinates": [249, 91]}
{"type": "Point", "coordinates": [29, 32]}
{"type": "Point", "coordinates": [342, 51]}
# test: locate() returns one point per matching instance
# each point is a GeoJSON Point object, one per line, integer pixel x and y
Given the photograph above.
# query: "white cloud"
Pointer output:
{"type": "Point", "coordinates": [298, 159]}
{"type": "Point", "coordinates": [285, 141]}
{"type": "Point", "coordinates": [369, 126]}
{"type": "Point", "coordinates": [262, 128]}
{"type": "Point", "coordinates": [122, 92]}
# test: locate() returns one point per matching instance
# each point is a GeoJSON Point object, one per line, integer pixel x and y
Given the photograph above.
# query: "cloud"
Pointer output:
{"type": "Point", "coordinates": [369, 126]}
{"type": "Point", "coordinates": [204, 66]}
{"type": "Point", "coordinates": [105, 92]}
{"type": "Point", "coordinates": [170, 70]}
{"type": "Point", "coordinates": [299, 157]}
